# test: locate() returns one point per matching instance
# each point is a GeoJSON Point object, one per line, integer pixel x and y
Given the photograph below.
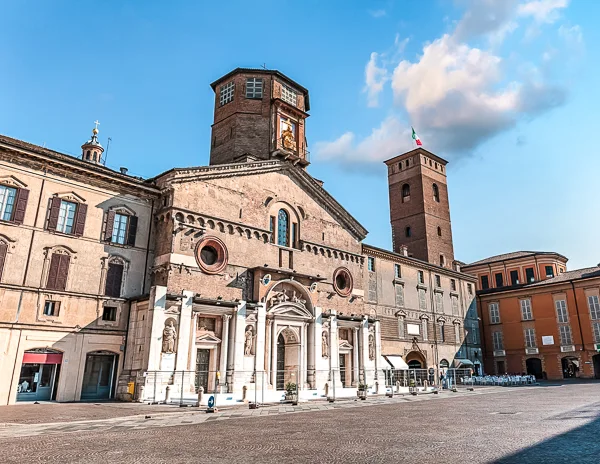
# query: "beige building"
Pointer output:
{"type": "Point", "coordinates": [73, 247]}
{"type": "Point", "coordinates": [244, 277]}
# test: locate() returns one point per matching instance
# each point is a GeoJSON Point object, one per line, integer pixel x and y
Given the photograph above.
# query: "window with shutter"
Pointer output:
{"type": "Point", "coordinates": [399, 295]}
{"type": "Point", "coordinates": [110, 223]}
{"type": "Point", "coordinates": [131, 233]}
{"type": "Point", "coordinates": [59, 271]}
{"type": "Point", "coordinates": [20, 206]}
{"type": "Point", "coordinates": [3, 251]}
{"type": "Point", "coordinates": [80, 215]}
{"type": "Point", "coordinates": [114, 279]}
{"type": "Point", "coordinates": [54, 212]}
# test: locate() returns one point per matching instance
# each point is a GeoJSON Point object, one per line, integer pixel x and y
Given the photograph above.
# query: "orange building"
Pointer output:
{"type": "Point", "coordinates": [537, 317]}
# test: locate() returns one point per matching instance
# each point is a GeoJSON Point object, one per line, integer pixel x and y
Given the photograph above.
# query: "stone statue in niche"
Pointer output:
{"type": "Point", "coordinates": [169, 337]}
{"type": "Point", "coordinates": [324, 344]}
{"type": "Point", "coordinates": [249, 335]}
{"type": "Point", "coordinates": [371, 345]}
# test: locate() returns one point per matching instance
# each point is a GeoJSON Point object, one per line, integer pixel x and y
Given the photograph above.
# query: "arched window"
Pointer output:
{"type": "Point", "coordinates": [87, 155]}
{"type": "Point", "coordinates": [408, 232]}
{"type": "Point", "coordinates": [439, 231]}
{"type": "Point", "coordinates": [283, 228]}
{"type": "Point", "coordinates": [405, 193]}
{"type": "Point", "coordinates": [436, 193]}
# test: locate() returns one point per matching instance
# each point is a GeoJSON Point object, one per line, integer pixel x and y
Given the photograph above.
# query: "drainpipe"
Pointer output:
{"type": "Point", "coordinates": [578, 319]}
{"type": "Point", "coordinates": [147, 248]}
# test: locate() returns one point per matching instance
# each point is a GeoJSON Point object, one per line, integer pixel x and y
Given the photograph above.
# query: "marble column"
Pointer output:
{"type": "Point", "coordinates": [259, 347]}
{"type": "Point", "coordinates": [224, 348]}
{"type": "Point", "coordinates": [274, 354]}
{"type": "Point", "coordinates": [157, 302]}
{"type": "Point", "coordinates": [364, 347]}
{"type": "Point", "coordinates": [355, 355]}
{"type": "Point", "coordinates": [377, 348]}
{"type": "Point", "coordinates": [238, 376]}
{"type": "Point", "coordinates": [267, 354]}
{"type": "Point", "coordinates": [305, 345]}
{"type": "Point", "coordinates": [184, 329]}
{"type": "Point", "coordinates": [334, 345]}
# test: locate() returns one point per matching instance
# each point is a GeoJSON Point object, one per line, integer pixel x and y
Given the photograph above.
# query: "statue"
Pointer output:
{"type": "Point", "coordinates": [169, 337]}
{"type": "Point", "coordinates": [324, 345]}
{"type": "Point", "coordinates": [287, 134]}
{"type": "Point", "coordinates": [371, 346]}
{"type": "Point", "coordinates": [248, 344]}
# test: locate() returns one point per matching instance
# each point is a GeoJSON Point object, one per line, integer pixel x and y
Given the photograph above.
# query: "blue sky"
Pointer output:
{"type": "Point", "coordinates": [506, 90]}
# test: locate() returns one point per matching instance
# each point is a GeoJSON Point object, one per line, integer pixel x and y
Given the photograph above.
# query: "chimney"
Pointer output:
{"type": "Point", "coordinates": [123, 170]}
{"type": "Point", "coordinates": [403, 250]}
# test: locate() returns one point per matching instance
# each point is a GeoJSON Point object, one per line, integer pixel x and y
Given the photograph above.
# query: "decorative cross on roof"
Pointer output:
{"type": "Point", "coordinates": [97, 123]}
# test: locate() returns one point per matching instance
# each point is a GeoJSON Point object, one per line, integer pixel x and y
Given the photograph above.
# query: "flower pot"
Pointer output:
{"type": "Point", "coordinates": [362, 394]}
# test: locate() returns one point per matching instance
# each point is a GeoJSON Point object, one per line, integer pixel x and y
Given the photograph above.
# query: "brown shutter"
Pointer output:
{"type": "Point", "coordinates": [53, 272]}
{"type": "Point", "coordinates": [63, 272]}
{"type": "Point", "coordinates": [80, 219]}
{"type": "Point", "coordinates": [20, 205]}
{"type": "Point", "coordinates": [132, 230]}
{"type": "Point", "coordinates": [54, 212]}
{"type": "Point", "coordinates": [3, 250]}
{"type": "Point", "coordinates": [110, 223]}
{"type": "Point", "coordinates": [114, 278]}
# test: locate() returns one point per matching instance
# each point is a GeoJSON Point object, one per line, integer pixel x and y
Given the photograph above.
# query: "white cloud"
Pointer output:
{"type": "Point", "coordinates": [375, 79]}
{"type": "Point", "coordinates": [391, 138]}
{"type": "Point", "coordinates": [543, 11]}
{"type": "Point", "coordinates": [572, 35]}
{"type": "Point", "coordinates": [377, 13]}
{"type": "Point", "coordinates": [455, 94]}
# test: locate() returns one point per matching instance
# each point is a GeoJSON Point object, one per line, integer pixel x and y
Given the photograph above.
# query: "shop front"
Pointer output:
{"type": "Point", "coordinates": [39, 375]}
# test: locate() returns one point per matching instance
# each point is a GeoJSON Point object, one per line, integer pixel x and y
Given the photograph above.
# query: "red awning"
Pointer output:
{"type": "Point", "coordinates": [42, 358]}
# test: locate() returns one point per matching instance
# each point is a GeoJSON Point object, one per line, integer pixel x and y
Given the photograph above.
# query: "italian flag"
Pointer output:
{"type": "Point", "coordinates": [416, 138]}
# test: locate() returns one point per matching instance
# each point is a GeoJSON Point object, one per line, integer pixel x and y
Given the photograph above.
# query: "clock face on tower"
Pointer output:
{"type": "Point", "coordinates": [287, 132]}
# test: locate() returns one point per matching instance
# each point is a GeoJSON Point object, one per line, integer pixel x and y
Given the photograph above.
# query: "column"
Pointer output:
{"type": "Point", "coordinates": [334, 357]}
{"type": "Point", "coordinates": [305, 346]}
{"type": "Point", "coordinates": [267, 357]}
{"type": "Point", "coordinates": [377, 348]}
{"type": "Point", "coordinates": [158, 299]}
{"type": "Point", "coordinates": [224, 347]}
{"type": "Point", "coordinates": [238, 346]}
{"type": "Point", "coordinates": [259, 347]}
{"type": "Point", "coordinates": [364, 345]}
{"type": "Point", "coordinates": [184, 329]}
{"type": "Point", "coordinates": [274, 354]}
{"type": "Point", "coordinates": [355, 355]}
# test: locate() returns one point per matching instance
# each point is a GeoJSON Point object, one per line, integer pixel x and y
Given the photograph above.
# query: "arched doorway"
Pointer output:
{"type": "Point", "coordinates": [288, 350]}
{"type": "Point", "coordinates": [99, 375]}
{"type": "Point", "coordinates": [534, 367]}
{"type": "Point", "coordinates": [570, 367]}
{"type": "Point", "coordinates": [415, 360]}
{"type": "Point", "coordinates": [596, 361]}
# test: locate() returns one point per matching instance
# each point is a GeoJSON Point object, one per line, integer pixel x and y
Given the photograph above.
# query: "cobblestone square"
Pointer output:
{"type": "Point", "coordinates": [551, 423]}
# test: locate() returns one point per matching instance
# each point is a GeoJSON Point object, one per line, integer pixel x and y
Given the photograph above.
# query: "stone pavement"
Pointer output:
{"type": "Point", "coordinates": [130, 417]}
{"type": "Point", "coordinates": [546, 424]}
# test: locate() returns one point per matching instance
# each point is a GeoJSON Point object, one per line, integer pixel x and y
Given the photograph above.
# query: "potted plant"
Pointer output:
{"type": "Point", "coordinates": [291, 393]}
{"type": "Point", "coordinates": [362, 391]}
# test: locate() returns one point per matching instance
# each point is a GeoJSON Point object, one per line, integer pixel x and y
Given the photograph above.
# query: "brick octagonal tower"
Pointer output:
{"type": "Point", "coordinates": [259, 114]}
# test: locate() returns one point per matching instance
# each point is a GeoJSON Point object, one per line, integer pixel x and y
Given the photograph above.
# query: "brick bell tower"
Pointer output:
{"type": "Point", "coordinates": [259, 114]}
{"type": "Point", "coordinates": [419, 207]}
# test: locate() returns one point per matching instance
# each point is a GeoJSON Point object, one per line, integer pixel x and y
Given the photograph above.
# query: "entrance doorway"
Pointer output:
{"type": "Point", "coordinates": [288, 359]}
{"type": "Point", "coordinates": [414, 364]}
{"type": "Point", "coordinates": [98, 377]}
{"type": "Point", "coordinates": [534, 367]}
{"type": "Point", "coordinates": [570, 367]}
{"type": "Point", "coordinates": [596, 361]}
{"type": "Point", "coordinates": [343, 369]}
{"type": "Point", "coordinates": [500, 368]}
{"type": "Point", "coordinates": [202, 366]}
{"type": "Point", "coordinates": [39, 375]}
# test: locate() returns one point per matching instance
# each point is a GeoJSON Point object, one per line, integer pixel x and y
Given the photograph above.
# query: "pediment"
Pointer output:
{"type": "Point", "coordinates": [207, 338]}
{"type": "Point", "coordinates": [311, 186]}
{"type": "Point", "coordinates": [122, 209]}
{"type": "Point", "coordinates": [344, 345]}
{"type": "Point", "coordinates": [71, 196]}
{"type": "Point", "coordinates": [291, 310]}
{"type": "Point", "coordinates": [12, 181]}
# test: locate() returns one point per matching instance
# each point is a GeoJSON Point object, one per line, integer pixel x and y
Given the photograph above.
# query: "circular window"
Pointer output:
{"type": "Point", "coordinates": [211, 255]}
{"type": "Point", "coordinates": [342, 281]}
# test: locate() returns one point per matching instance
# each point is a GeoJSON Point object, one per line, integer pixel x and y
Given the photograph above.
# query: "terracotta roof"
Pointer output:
{"type": "Point", "coordinates": [584, 273]}
{"type": "Point", "coordinates": [514, 255]}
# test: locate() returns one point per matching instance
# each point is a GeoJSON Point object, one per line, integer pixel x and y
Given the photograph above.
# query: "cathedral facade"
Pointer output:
{"type": "Point", "coordinates": [254, 279]}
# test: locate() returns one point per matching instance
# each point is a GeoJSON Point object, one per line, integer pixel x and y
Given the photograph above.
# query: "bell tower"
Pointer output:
{"type": "Point", "coordinates": [92, 150]}
{"type": "Point", "coordinates": [419, 206]}
{"type": "Point", "coordinates": [259, 114]}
